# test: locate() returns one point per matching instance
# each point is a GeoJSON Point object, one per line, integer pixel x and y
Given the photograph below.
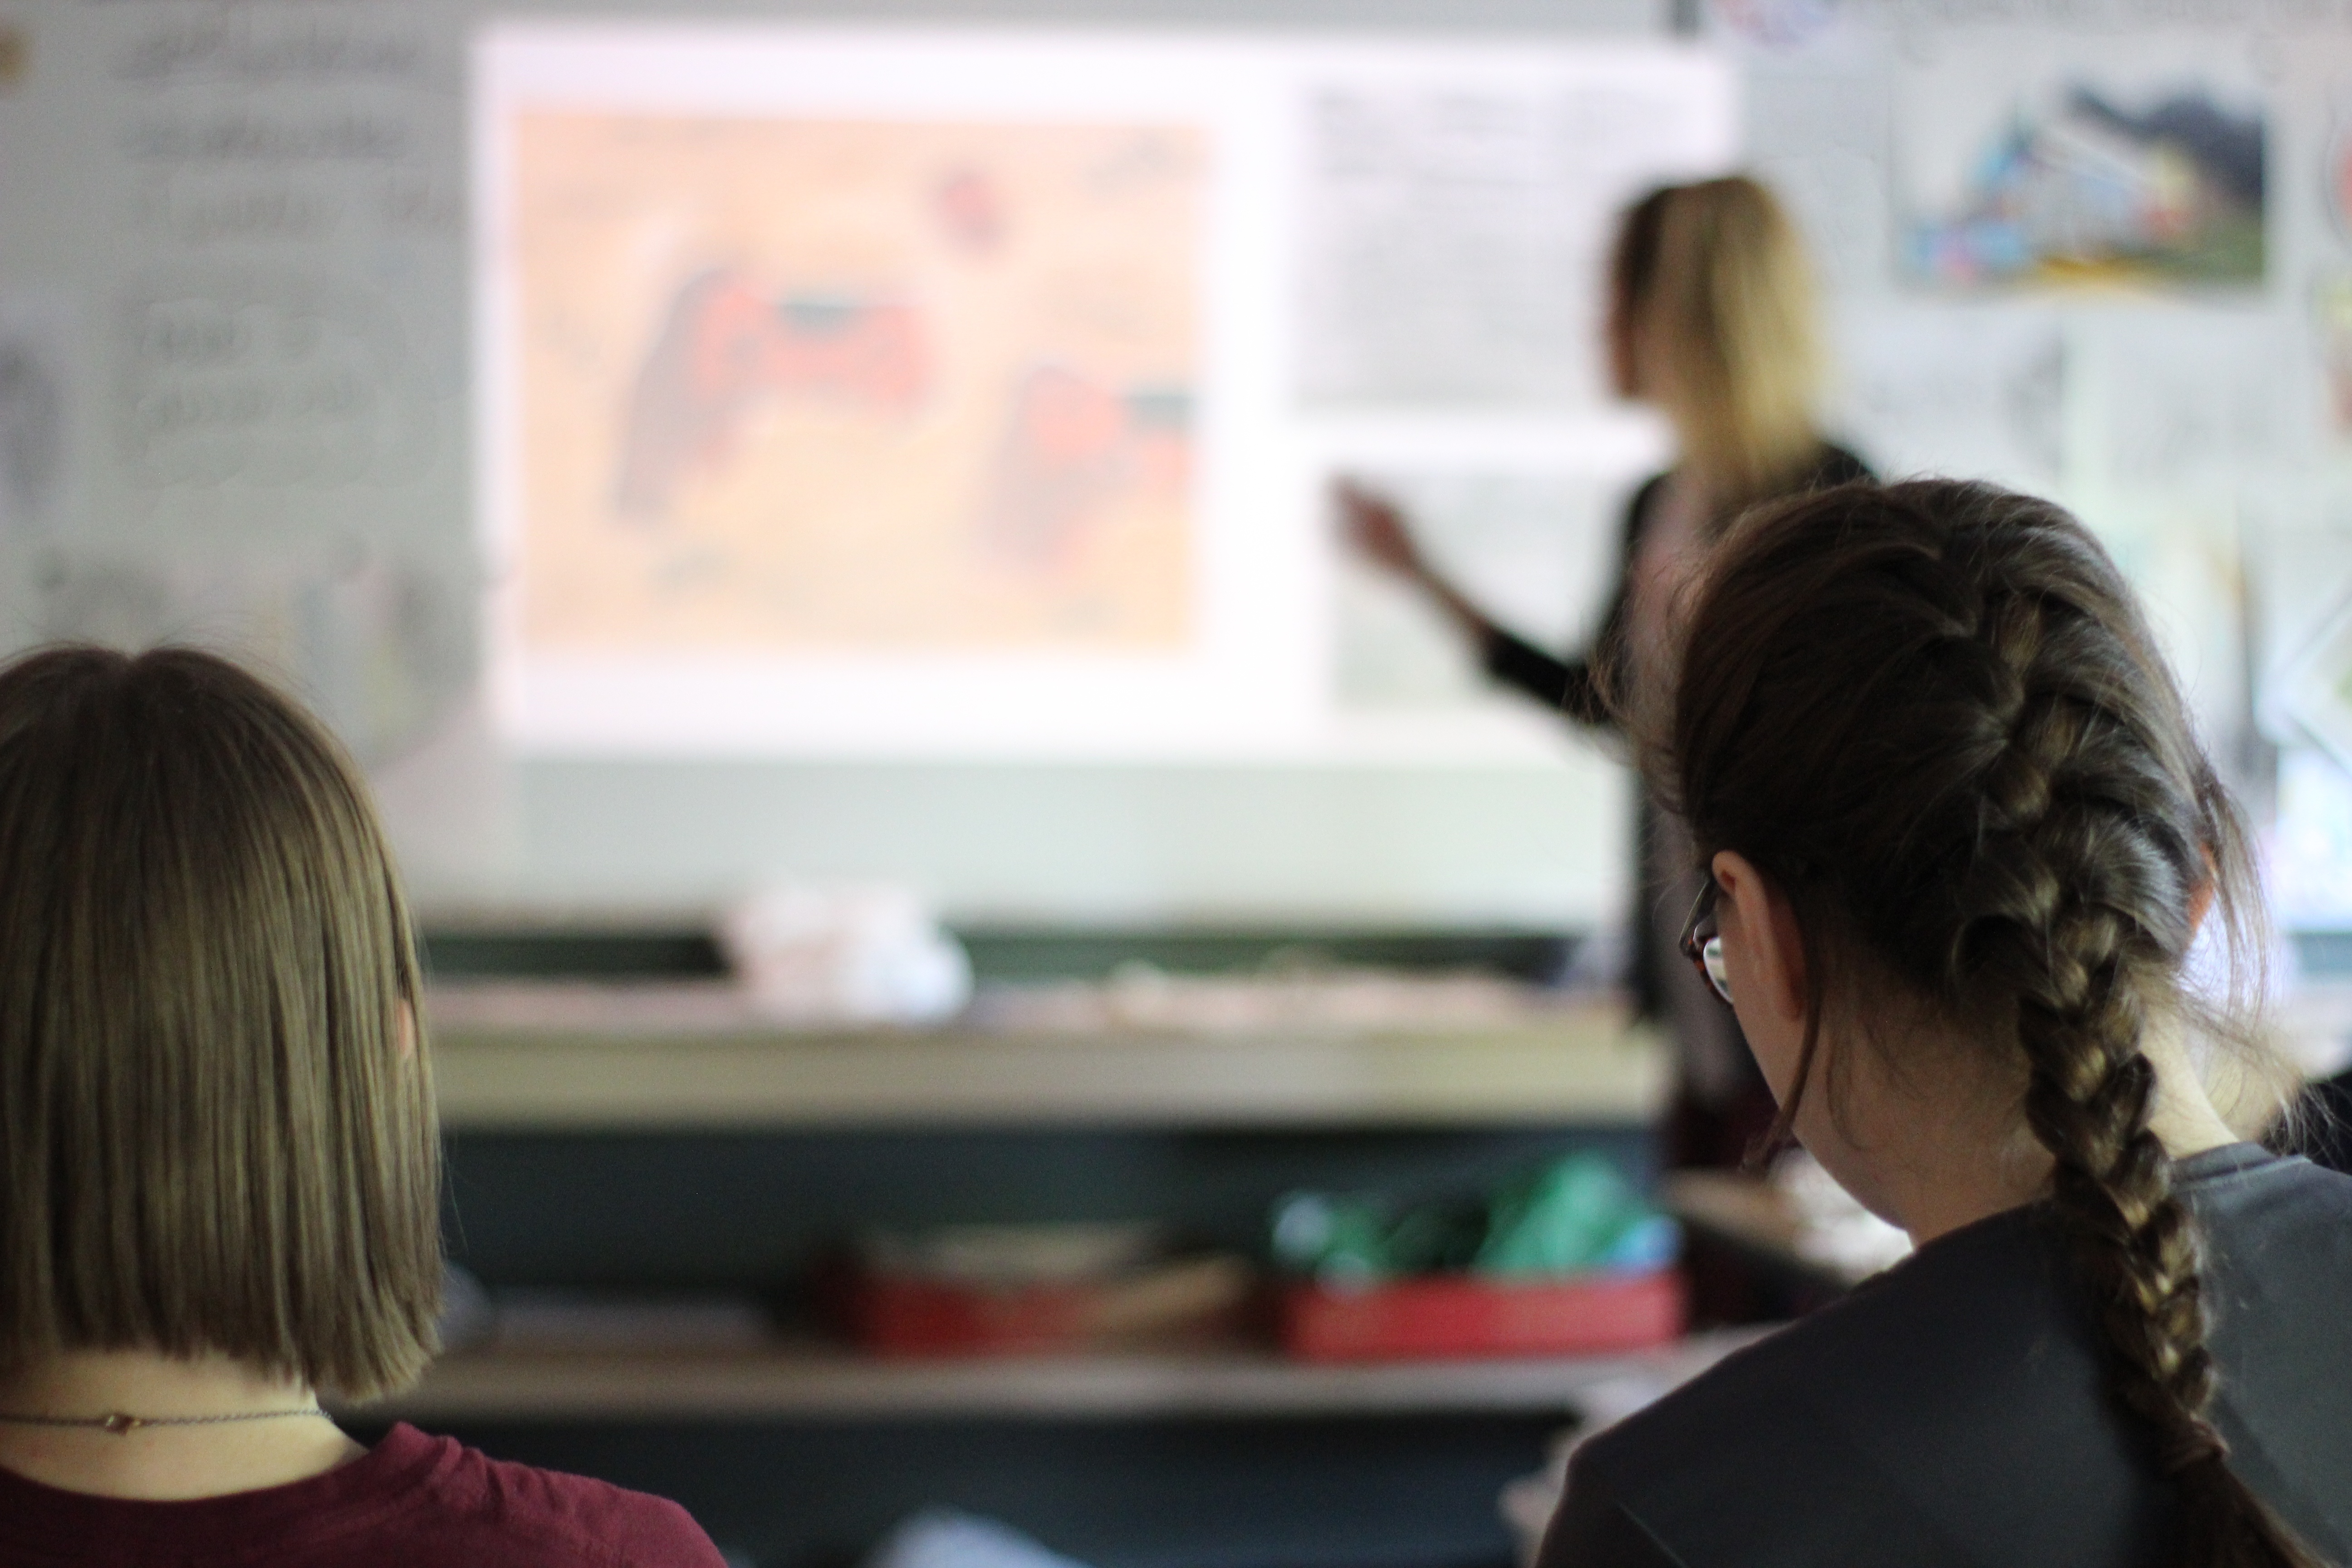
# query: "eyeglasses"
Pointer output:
{"type": "Point", "coordinates": [1702, 943]}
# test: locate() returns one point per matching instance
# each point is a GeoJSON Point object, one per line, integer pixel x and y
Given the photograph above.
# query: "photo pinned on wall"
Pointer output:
{"type": "Point", "coordinates": [2138, 169]}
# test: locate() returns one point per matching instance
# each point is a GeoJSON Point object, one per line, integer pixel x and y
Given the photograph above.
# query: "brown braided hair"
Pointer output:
{"type": "Point", "coordinates": [1932, 715]}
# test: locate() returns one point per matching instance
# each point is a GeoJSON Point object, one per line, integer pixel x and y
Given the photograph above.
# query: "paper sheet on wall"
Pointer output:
{"type": "Point", "coordinates": [1976, 393]}
{"type": "Point", "coordinates": [2185, 555]}
{"type": "Point", "coordinates": [1819, 138]}
{"type": "Point", "coordinates": [1453, 233]}
{"type": "Point", "coordinates": [286, 182]}
{"type": "Point", "coordinates": [266, 362]}
{"type": "Point", "coordinates": [2189, 399]}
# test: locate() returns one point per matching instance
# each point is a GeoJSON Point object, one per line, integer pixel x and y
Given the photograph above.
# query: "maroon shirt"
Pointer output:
{"type": "Point", "coordinates": [412, 1501]}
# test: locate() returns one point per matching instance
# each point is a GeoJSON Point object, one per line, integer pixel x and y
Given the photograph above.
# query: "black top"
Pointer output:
{"type": "Point", "coordinates": [1570, 686]}
{"type": "Point", "coordinates": [1954, 1411]}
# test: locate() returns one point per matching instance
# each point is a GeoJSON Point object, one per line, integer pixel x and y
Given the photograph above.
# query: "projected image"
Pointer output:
{"type": "Point", "coordinates": [797, 385]}
{"type": "Point", "coordinates": [2098, 176]}
{"type": "Point", "coordinates": [915, 393]}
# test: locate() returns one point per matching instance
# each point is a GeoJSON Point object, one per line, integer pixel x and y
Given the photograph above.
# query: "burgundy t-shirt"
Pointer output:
{"type": "Point", "coordinates": [412, 1501]}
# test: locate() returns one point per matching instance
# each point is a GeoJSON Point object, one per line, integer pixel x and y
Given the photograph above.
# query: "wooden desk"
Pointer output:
{"type": "Point", "coordinates": [1588, 1067]}
{"type": "Point", "coordinates": [815, 1380]}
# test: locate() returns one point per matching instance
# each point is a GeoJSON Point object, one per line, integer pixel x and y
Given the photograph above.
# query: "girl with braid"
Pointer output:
{"type": "Point", "coordinates": [1959, 837]}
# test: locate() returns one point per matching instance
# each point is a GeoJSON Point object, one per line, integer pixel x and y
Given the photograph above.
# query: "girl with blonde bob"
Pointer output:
{"type": "Point", "coordinates": [219, 1163]}
{"type": "Point", "coordinates": [1709, 319]}
{"type": "Point", "coordinates": [1957, 837]}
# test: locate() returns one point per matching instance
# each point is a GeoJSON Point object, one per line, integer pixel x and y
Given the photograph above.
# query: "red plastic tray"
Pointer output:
{"type": "Point", "coordinates": [1460, 1316]}
{"type": "Point", "coordinates": [908, 1317]}
{"type": "Point", "coordinates": [901, 1317]}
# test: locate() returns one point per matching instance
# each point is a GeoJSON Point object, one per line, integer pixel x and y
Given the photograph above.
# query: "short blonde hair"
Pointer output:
{"type": "Point", "coordinates": [1715, 275]}
{"type": "Point", "coordinates": [212, 1135]}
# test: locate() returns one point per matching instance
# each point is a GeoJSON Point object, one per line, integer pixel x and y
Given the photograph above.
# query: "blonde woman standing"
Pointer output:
{"type": "Point", "coordinates": [1711, 321]}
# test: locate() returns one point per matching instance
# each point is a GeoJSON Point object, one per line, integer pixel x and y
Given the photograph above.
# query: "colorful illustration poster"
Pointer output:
{"type": "Point", "coordinates": [2128, 167]}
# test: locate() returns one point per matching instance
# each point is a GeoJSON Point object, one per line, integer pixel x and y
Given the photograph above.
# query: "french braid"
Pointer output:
{"type": "Point", "coordinates": [1933, 714]}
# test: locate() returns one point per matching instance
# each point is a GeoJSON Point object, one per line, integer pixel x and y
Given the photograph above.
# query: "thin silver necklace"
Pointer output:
{"type": "Point", "coordinates": [121, 1425]}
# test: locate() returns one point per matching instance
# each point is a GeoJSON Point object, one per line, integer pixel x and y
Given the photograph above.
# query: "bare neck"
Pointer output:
{"type": "Point", "coordinates": [1958, 1172]}
{"type": "Point", "coordinates": [170, 1463]}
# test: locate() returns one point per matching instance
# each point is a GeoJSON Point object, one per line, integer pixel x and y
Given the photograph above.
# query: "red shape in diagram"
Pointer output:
{"type": "Point", "coordinates": [971, 209]}
{"type": "Point", "coordinates": [1072, 447]}
{"type": "Point", "coordinates": [725, 347]}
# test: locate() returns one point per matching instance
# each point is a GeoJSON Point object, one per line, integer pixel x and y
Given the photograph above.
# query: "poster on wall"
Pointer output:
{"type": "Point", "coordinates": [1453, 229]}
{"type": "Point", "coordinates": [1977, 390]}
{"type": "Point", "coordinates": [2133, 165]}
{"type": "Point", "coordinates": [937, 393]}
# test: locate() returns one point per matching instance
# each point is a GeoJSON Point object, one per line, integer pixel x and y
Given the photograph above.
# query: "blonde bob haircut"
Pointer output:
{"type": "Point", "coordinates": [215, 1133]}
{"type": "Point", "coordinates": [1712, 278]}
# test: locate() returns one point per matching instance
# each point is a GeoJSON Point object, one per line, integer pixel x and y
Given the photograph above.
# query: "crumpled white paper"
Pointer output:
{"type": "Point", "coordinates": [812, 955]}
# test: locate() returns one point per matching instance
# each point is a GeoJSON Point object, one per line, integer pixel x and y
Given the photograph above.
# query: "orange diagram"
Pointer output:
{"type": "Point", "coordinates": [726, 347]}
{"type": "Point", "coordinates": [833, 386]}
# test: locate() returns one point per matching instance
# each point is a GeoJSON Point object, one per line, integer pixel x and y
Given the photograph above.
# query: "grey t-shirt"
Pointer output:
{"type": "Point", "coordinates": [1954, 1410]}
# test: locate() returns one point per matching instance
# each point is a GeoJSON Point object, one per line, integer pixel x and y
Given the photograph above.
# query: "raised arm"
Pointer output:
{"type": "Point", "coordinates": [1377, 529]}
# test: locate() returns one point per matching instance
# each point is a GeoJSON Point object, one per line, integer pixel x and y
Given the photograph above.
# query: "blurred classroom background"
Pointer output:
{"type": "Point", "coordinates": [984, 968]}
